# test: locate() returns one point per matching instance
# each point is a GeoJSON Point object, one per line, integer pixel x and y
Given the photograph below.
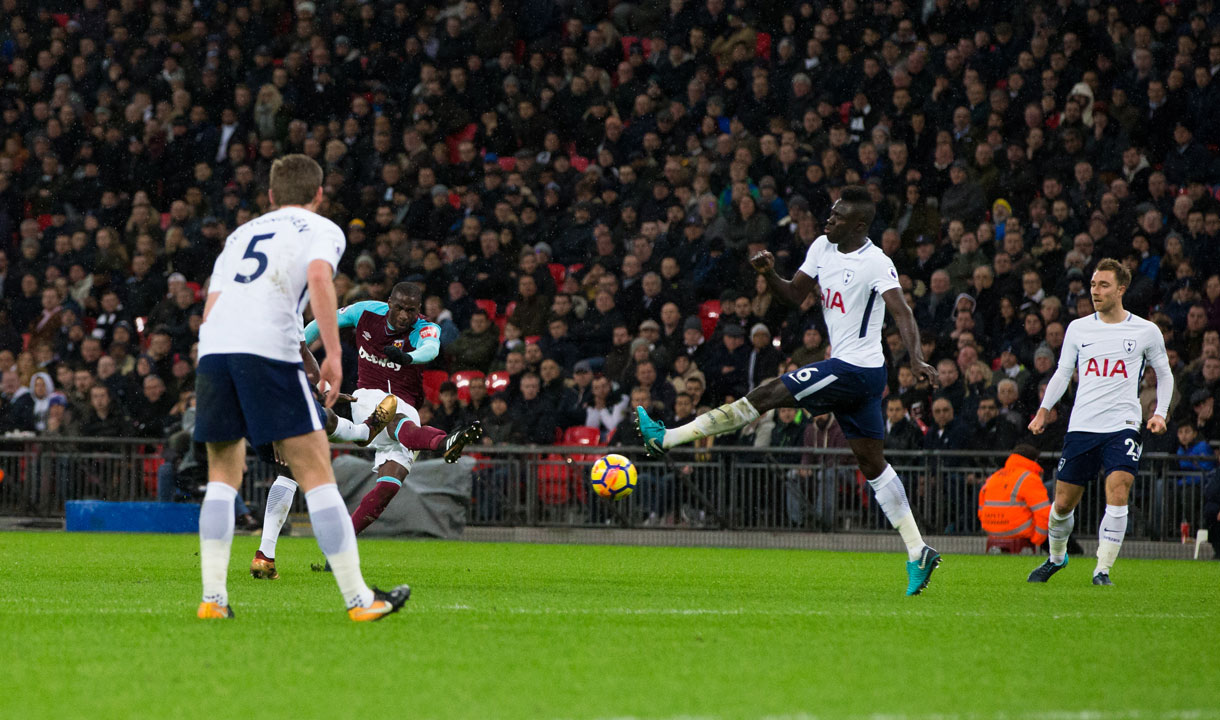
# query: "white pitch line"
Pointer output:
{"type": "Point", "coordinates": [808, 612]}
{"type": "Point", "coordinates": [999, 715]}
{"type": "Point", "coordinates": [69, 607]}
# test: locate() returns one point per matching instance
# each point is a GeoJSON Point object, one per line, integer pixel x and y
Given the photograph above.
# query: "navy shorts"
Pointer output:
{"type": "Point", "coordinates": [1086, 453]}
{"type": "Point", "coordinates": [852, 393]}
{"type": "Point", "coordinates": [239, 395]}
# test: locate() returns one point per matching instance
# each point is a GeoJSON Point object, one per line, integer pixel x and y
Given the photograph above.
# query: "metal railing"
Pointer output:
{"type": "Point", "coordinates": [794, 489]}
{"type": "Point", "coordinates": [740, 488]}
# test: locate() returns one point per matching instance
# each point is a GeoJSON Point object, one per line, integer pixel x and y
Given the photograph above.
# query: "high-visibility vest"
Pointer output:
{"type": "Point", "coordinates": [1014, 503]}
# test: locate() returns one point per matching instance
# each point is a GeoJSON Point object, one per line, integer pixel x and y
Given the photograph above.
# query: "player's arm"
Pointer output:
{"type": "Point", "coordinates": [905, 319]}
{"type": "Point", "coordinates": [792, 291]}
{"type": "Point", "coordinates": [325, 306]}
{"type": "Point", "coordinates": [427, 343]}
{"type": "Point", "coordinates": [1058, 384]}
{"type": "Point", "coordinates": [1155, 354]}
{"type": "Point", "coordinates": [348, 317]}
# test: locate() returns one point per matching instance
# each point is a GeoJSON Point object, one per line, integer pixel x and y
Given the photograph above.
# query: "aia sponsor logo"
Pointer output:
{"type": "Point", "coordinates": [1106, 368]}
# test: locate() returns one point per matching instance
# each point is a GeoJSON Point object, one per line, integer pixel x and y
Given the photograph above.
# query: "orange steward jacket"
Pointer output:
{"type": "Point", "coordinates": [1013, 501]}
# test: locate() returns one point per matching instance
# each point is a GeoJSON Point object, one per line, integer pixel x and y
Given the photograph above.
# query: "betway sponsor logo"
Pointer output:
{"type": "Point", "coordinates": [388, 364]}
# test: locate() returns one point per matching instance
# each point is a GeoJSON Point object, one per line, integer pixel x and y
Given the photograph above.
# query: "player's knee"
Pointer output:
{"type": "Point", "coordinates": [769, 396]}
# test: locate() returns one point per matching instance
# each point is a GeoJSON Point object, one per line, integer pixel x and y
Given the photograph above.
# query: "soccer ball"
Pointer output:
{"type": "Point", "coordinates": [613, 477]}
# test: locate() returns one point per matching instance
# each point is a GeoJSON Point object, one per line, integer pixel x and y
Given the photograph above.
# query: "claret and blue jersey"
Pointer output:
{"type": "Point", "coordinates": [422, 342]}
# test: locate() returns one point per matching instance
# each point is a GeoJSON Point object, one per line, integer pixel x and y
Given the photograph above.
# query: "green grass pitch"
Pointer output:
{"type": "Point", "coordinates": [103, 626]}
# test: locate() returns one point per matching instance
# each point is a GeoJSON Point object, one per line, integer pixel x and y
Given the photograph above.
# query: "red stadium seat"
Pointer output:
{"type": "Point", "coordinates": [627, 41]}
{"type": "Point", "coordinates": [532, 339]}
{"type": "Point", "coordinates": [462, 379]}
{"type": "Point", "coordinates": [558, 272]}
{"type": "Point", "coordinates": [582, 435]}
{"type": "Point", "coordinates": [432, 384]}
{"type": "Point", "coordinates": [709, 315]}
{"type": "Point", "coordinates": [762, 46]}
{"type": "Point", "coordinates": [507, 163]}
{"type": "Point", "coordinates": [554, 481]}
{"type": "Point", "coordinates": [164, 220]}
{"type": "Point", "coordinates": [452, 142]}
{"type": "Point", "coordinates": [508, 311]}
{"type": "Point", "coordinates": [489, 307]}
{"type": "Point", "coordinates": [497, 381]}
{"type": "Point", "coordinates": [44, 221]}
{"type": "Point", "coordinates": [580, 163]}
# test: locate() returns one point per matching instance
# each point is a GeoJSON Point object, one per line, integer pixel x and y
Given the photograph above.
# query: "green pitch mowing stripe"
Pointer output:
{"type": "Point", "coordinates": [103, 626]}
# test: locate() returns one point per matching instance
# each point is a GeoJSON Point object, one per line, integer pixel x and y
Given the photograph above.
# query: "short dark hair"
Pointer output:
{"type": "Point", "coordinates": [860, 201]}
{"type": "Point", "coordinates": [295, 179]}
{"type": "Point", "coordinates": [1027, 451]}
{"type": "Point", "coordinates": [408, 289]}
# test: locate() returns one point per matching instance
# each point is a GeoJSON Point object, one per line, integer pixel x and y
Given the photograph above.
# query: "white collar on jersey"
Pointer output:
{"type": "Point", "coordinates": [1097, 317]}
{"type": "Point", "coordinates": [867, 244]}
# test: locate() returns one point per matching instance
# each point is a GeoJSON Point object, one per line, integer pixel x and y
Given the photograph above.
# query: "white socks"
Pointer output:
{"type": "Point", "coordinates": [892, 498]}
{"type": "Point", "coordinates": [1110, 537]}
{"type": "Point", "coordinates": [723, 419]}
{"type": "Point", "coordinates": [279, 502]}
{"type": "Point", "coordinates": [1060, 527]}
{"type": "Point", "coordinates": [332, 527]}
{"type": "Point", "coordinates": [216, 540]}
{"type": "Point", "coordinates": [348, 431]}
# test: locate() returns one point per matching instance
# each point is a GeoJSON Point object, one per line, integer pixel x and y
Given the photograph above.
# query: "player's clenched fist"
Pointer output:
{"type": "Point", "coordinates": [763, 261]}
{"type": "Point", "coordinates": [1039, 422]}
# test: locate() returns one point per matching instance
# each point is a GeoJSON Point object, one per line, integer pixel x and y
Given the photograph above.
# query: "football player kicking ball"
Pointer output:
{"type": "Point", "coordinates": [251, 383]}
{"type": "Point", "coordinates": [1109, 350]}
{"type": "Point", "coordinates": [852, 272]}
{"type": "Point", "coordinates": [392, 341]}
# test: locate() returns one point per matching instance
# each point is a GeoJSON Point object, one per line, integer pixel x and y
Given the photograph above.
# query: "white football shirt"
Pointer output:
{"type": "Point", "coordinates": [1109, 359]}
{"type": "Point", "coordinates": [852, 284]}
{"type": "Point", "coordinates": [261, 278]}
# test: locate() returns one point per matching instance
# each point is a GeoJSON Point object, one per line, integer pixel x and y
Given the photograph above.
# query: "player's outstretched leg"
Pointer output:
{"type": "Point", "coordinates": [362, 433]}
{"type": "Point", "coordinates": [279, 502]}
{"type": "Point", "coordinates": [724, 419]}
{"type": "Point", "coordinates": [426, 437]}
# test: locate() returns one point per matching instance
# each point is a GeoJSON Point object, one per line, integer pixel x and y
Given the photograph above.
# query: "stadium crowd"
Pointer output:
{"type": "Point", "coordinates": [578, 184]}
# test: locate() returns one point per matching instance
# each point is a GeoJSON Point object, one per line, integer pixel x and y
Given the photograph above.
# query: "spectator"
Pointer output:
{"type": "Point", "coordinates": [42, 391]}
{"type": "Point", "coordinates": [991, 432]}
{"type": "Point", "coordinates": [605, 411]}
{"type": "Point", "coordinates": [901, 432]}
{"type": "Point", "coordinates": [16, 404]}
{"type": "Point", "coordinates": [533, 417]}
{"type": "Point", "coordinates": [764, 358]}
{"type": "Point", "coordinates": [104, 419]}
{"type": "Point", "coordinates": [449, 414]}
{"type": "Point", "coordinates": [475, 348]}
{"type": "Point", "coordinates": [728, 365]}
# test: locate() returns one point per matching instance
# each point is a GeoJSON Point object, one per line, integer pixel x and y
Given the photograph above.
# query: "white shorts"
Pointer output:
{"type": "Point", "coordinates": [385, 444]}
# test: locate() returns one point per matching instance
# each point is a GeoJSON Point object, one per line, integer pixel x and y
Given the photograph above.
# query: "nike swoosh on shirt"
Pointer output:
{"type": "Point", "coordinates": [1084, 345]}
